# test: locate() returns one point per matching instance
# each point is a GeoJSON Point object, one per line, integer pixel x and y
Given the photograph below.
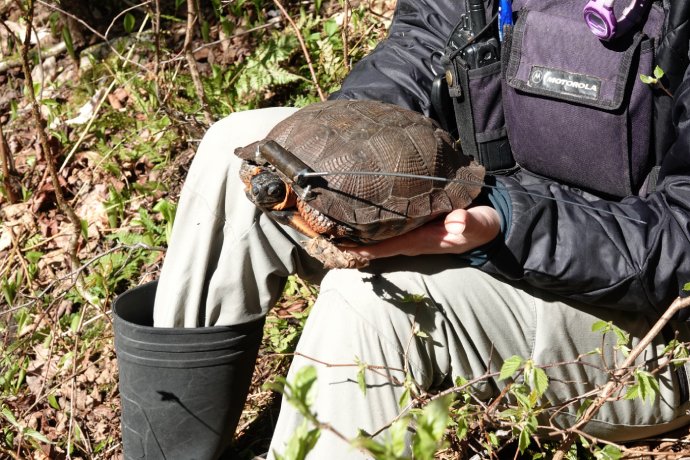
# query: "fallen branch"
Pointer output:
{"type": "Point", "coordinates": [620, 376]}
{"type": "Point", "coordinates": [54, 50]}
{"type": "Point", "coordinates": [94, 31]}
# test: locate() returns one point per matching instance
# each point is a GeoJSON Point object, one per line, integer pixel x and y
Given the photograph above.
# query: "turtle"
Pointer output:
{"type": "Point", "coordinates": [361, 145]}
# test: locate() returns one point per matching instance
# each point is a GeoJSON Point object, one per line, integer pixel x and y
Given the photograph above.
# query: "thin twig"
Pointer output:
{"type": "Point", "coordinates": [94, 31]}
{"type": "Point", "coordinates": [304, 48]}
{"type": "Point", "coordinates": [45, 145]}
{"type": "Point", "coordinates": [81, 268]}
{"type": "Point", "coordinates": [325, 364]}
{"type": "Point", "coordinates": [73, 388]}
{"type": "Point", "coordinates": [617, 380]}
{"type": "Point", "coordinates": [211, 44]}
{"type": "Point", "coordinates": [192, 16]}
{"type": "Point", "coordinates": [97, 108]}
{"type": "Point", "coordinates": [8, 171]}
{"type": "Point", "coordinates": [122, 13]}
{"type": "Point", "coordinates": [345, 34]}
{"type": "Point", "coordinates": [157, 45]}
{"type": "Point", "coordinates": [640, 453]}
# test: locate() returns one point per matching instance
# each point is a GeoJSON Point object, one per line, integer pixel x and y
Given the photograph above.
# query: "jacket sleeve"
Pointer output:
{"type": "Point", "coordinates": [636, 259]}
{"type": "Point", "coordinates": [402, 67]}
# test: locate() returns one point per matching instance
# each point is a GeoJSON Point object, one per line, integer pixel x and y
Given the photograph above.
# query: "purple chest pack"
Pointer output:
{"type": "Point", "coordinates": [564, 100]}
{"type": "Point", "coordinates": [575, 107]}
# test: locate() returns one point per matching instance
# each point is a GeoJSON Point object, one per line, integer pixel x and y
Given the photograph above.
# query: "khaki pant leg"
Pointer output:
{"type": "Point", "coordinates": [227, 262]}
{"type": "Point", "coordinates": [474, 322]}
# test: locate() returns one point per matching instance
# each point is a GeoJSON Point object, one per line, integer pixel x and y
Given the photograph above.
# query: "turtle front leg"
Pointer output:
{"type": "Point", "coordinates": [319, 246]}
{"type": "Point", "coordinates": [333, 257]}
{"type": "Point", "coordinates": [291, 218]}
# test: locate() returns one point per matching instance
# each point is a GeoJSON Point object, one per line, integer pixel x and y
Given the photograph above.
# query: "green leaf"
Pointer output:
{"type": "Point", "coordinates": [69, 43]}
{"type": "Point", "coordinates": [646, 387]}
{"type": "Point", "coordinates": [462, 428]}
{"type": "Point", "coordinates": [493, 439]}
{"type": "Point", "coordinates": [394, 446]}
{"type": "Point", "coordinates": [52, 400]}
{"type": "Point", "coordinates": [301, 443]}
{"type": "Point", "coordinates": [421, 334]}
{"type": "Point", "coordinates": [10, 417]}
{"type": "Point", "coordinates": [377, 449]}
{"type": "Point", "coordinates": [649, 385]}
{"type": "Point", "coordinates": [361, 378]}
{"type": "Point", "coordinates": [330, 27]}
{"type": "Point", "coordinates": [585, 442]}
{"type": "Point", "coordinates": [304, 384]}
{"type": "Point", "coordinates": [604, 325]}
{"type": "Point", "coordinates": [686, 287]}
{"type": "Point", "coordinates": [647, 80]}
{"type": "Point", "coordinates": [583, 407]}
{"type": "Point", "coordinates": [33, 256]}
{"type": "Point", "coordinates": [538, 380]}
{"type": "Point", "coordinates": [206, 31]}
{"type": "Point", "coordinates": [405, 397]}
{"type": "Point", "coordinates": [658, 72]}
{"type": "Point", "coordinates": [36, 435]}
{"type": "Point", "coordinates": [409, 390]}
{"type": "Point", "coordinates": [510, 367]}
{"type": "Point", "coordinates": [622, 337]}
{"type": "Point", "coordinates": [431, 426]}
{"type": "Point", "coordinates": [84, 228]}
{"type": "Point", "coordinates": [633, 391]}
{"type": "Point", "coordinates": [74, 324]}
{"type": "Point", "coordinates": [129, 22]}
{"type": "Point", "coordinates": [608, 452]}
{"type": "Point", "coordinates": [524, 441]}
{"type": "Point", "coordinates": [414, 298]}
{"type": "Point", "coordinates": [300, 391]}
{"type": "Point", "coordinates": [460, 381]}
{"type": "Point", "coordinates": [522, 395]}
{"type": "Point", "coordinates": [398, 437]}
{"type": "Point", "coordinates": [291, 286]}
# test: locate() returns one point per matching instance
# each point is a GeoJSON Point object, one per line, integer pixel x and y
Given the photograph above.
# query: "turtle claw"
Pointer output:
{"type": "Point", "coordinates": [331, 256]}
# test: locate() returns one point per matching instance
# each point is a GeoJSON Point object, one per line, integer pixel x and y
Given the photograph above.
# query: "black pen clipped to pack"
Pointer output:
{"type": "Point", "coordinates": [472, 82]}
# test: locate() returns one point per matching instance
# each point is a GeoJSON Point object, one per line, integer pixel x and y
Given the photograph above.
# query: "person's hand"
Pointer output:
{"type": "Point", "coordinates": [462, 230]}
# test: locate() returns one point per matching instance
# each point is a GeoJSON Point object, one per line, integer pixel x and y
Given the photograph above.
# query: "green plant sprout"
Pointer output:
{"type": "Point", "coordinates": [655, 80]}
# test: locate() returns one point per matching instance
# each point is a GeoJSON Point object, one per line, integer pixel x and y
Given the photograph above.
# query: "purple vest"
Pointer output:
{"type": "Point", "coordinates": [575, 107]}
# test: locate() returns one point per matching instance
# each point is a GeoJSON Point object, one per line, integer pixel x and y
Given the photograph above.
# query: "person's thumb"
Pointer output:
{"type": "Point", "coordinates": [456, 221]}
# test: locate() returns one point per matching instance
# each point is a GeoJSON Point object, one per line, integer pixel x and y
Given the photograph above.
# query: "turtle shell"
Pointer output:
{"type": "Point", "coordinates": [372, 136]}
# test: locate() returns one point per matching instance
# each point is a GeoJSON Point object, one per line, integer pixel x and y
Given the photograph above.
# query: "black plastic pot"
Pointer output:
{"type": "Point", "coordinates": [182, 390]}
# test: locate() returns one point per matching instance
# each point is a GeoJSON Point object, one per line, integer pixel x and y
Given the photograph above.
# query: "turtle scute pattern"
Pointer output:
{"type": "Point", "coordinates": [374, 136]}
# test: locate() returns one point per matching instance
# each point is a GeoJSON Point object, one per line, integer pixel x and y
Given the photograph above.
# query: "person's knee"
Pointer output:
{"type": "Point", "coordinates": [372, 314]}
{"type": "Point", "coordinates": [217, 147]}
{"type": "Point", "coordinates": [349, 300]}
{"type": "Point", "coordinates": [242, 128]}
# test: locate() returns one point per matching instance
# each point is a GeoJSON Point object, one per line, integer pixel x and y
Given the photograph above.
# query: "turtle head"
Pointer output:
{"type": "Point", "coordinates": [267, 190]}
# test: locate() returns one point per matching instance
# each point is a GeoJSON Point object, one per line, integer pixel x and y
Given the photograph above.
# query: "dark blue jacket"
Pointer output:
{"type": "Point", "coordinates": [562, 249]}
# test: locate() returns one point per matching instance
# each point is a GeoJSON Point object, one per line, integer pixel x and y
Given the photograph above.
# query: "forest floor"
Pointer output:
{"type": "Point", "coordinates": [92, 166]}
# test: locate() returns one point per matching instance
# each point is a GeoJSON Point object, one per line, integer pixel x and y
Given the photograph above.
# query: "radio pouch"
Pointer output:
{"type": "Point", "coordinates": [476, 96]}
{"type": "Point", "coordinates": [576, 109]}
